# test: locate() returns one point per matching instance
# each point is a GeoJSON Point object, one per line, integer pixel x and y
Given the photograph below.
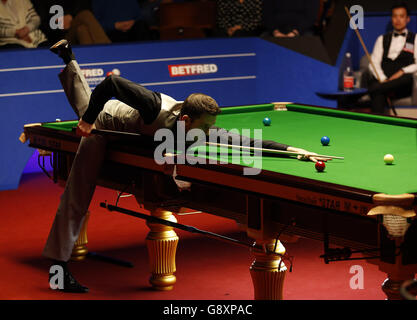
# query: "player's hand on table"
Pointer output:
{"type": "Point", "coordinates": [306, 155]}
{"type": "Point", "coordinates": [84, 128]}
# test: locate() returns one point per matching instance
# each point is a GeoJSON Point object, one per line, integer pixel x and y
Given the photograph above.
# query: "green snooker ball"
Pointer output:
{"type": "Point", "coordinates": [267, 121]}
{"type": "Point", "coordinates": [388, 159]}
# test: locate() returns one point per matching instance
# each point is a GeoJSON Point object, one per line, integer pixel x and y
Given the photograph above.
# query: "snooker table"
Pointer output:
{"type": "Point", "coordinates": [359, 203]}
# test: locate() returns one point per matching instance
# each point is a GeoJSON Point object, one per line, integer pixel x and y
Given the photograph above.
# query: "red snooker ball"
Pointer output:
{"type": "Point", "coordinates": [320, 166]}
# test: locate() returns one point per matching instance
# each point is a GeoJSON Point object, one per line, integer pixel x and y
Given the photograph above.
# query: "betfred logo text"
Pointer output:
{"type": "Point", "coordinates": [92, 72]}
{"type": "Point", "coordinates": [181, 70]}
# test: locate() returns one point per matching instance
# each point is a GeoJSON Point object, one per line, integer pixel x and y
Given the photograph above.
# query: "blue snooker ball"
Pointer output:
{"type": "Point", "coordinates": [325, 140]}
{"type": "Point", "coordinates": [267, 121]}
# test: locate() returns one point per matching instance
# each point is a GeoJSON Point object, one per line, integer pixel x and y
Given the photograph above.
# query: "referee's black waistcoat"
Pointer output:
{"type": "Point", "coordinates": [405, 58]}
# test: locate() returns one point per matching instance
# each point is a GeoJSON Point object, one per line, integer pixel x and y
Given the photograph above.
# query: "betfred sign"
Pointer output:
{"type": "Point", "coordinates": [87, 73]}
{"type": "Point", "coordinates": [181, 70]}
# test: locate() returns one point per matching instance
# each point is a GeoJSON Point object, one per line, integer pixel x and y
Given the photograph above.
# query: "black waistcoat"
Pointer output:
{"type": "Point", "coordinates": [404, 59]}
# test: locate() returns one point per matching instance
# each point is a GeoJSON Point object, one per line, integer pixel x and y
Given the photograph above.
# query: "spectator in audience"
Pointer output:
{"type": "Point", "coordinates": [239, 18]}
{"type": "Point", "coordinates": [289, 19]}
{"type": "Point", "coordinates": [79, 24]}
{"type": "Point", "coordinates": [121, 19]}
{"type": "Point", "coordinates": [19, 25]}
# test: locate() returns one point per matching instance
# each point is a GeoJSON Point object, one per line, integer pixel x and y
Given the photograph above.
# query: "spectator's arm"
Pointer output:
{"type": "Point", "coordinates": [6, 32]}
{"type": "Point", "coordinates": [33, 20]}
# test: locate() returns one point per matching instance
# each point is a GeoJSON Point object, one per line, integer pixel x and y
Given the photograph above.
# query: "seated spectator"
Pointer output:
{"type": "Point", "coordinates": [239, 18]}
{"type": "Point", "coordinates": [289, 19]}
{"type": "Point", "coordinates": [121, 20]}
{"type": "Point", "coordinates": [79, 24]}
{"type": "Point", "coordinates": [19, 25]}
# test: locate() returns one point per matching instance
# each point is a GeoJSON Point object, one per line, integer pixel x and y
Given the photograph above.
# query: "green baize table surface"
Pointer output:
{"type": "Point", "coordinates": [362, 139]}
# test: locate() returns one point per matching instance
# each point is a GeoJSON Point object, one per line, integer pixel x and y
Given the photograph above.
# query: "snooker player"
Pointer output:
{"type": "Point", "coordinates": [395, 60]}
{"type": "Point", "coordinates": [136, 110]}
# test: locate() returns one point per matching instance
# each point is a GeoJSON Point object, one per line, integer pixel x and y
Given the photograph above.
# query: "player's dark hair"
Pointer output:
{"type": "Point", "coordinates": [198, 104]}
{"type": "Point", "coordinates": [401, 4]}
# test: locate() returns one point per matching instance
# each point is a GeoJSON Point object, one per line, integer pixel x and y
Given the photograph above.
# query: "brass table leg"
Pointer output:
{"type": "Point", "coordinates": [268, 273]}
{"type": "Point", "coordinates": [162, 244]}
{"type": "Point", "coordinates": [80, 250]}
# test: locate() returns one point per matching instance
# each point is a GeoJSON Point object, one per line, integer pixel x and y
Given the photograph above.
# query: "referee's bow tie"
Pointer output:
{"type": "Point", "coordinates": [399, 34]}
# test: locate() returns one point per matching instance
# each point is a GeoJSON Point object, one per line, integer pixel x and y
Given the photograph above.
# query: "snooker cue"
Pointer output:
{"type": "Point", "coordinates": [111, 132]}
{"type": "Point", "coordinates": [369, 58]}
{"type": "Point", "coordinates": [294, 153]}
{"type": "Point", "coordinates": [187, 228]}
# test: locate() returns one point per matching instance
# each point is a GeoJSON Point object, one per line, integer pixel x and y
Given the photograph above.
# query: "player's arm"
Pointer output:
{"type": "Point", "coordinates": [232, 137]}
{"type": "Point", "coordinates": [126, 91]}
{"type": "Point", "coordinates": [265, 144]}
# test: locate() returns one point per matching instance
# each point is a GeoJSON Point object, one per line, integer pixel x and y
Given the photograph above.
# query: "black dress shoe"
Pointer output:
{"type": "Point", "coordinates": [63, 49]}
{"type": "Point", "coordinates": [70, 283]}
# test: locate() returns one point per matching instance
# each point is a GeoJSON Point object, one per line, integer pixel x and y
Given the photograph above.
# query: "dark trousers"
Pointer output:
{"type": "Point", "coordinates": [395, 89]}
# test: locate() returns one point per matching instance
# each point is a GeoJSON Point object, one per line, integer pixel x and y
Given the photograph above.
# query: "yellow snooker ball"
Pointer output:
{"type": "Point", "coordinates": [388, 159]}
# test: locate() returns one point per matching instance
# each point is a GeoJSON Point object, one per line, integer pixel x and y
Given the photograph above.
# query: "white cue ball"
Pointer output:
{"type": "Point", "coordinates": [57, 120]}
{"type": "Point", "coordinates": [388, 159]}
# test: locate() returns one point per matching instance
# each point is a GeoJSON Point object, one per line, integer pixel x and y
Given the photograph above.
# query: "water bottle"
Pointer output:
{"type": "Point", "coordinates": [346, 62]}
{"type": "Point", "coordinates": [348, 78]}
